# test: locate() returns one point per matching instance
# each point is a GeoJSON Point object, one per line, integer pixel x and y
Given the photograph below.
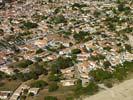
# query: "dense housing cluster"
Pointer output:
{"type": "Point", "coordinates": [52, 49]}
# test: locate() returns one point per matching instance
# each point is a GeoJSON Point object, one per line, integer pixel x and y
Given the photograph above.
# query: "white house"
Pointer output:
{"type": "Point", "coordinates": [4, 94]}
{"type": "Point", "coordinates": [34, 90]}
{"type": "Point", "coordinates": [68, 82]}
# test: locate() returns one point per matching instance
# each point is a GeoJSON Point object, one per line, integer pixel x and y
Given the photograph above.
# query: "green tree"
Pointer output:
{"type": "Point", "coordinates": [100, 75]}
{"type": "Point", "coordinates": [78, 89]}
{"type": "Point", "coordinates": [92, 88]}
{"type": "Point", "coordinates": [128, 66]}
{"type": "Point", "coordinates": [54, 77]}
{"type": "Point", "coordinates": [120, 72]}
{"type": "Point", "coordinates": [37, 69]}
{"type": "Point", "coordinates": [3, 75]}
{"type": "Point", "coordinates": [61, 63]}
{"type": "Point", "coordinates": [23, 63]}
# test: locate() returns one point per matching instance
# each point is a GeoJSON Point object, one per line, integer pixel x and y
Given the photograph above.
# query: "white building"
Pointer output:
{"type": "Point", "coordinates": [34, 90]}
{"type": "Point", "coordinates": [4, 94]}
{"type": "Point", "coordinates": [68, 82]}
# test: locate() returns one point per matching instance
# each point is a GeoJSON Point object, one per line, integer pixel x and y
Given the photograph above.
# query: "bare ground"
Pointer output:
{"type": "Point", "coordinates": [123, 91]}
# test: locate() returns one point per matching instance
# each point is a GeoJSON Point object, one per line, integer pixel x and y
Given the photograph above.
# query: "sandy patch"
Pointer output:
{"type": "Point", "coordinates": [123, 91]}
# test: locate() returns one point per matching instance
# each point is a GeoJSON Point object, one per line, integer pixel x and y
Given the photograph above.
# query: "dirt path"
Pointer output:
{"type": "Point", "coordinates": [123, 91]}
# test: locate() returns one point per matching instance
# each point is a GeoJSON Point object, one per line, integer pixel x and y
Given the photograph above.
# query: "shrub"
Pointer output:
{"type": "Point", "coordinates": [2, 84]}
{"type": "Point", "coordinates": [39, 51]}
{"type": "Point", "coordinates": [23, 63]}
{"type": "Point", "coordinates": [120, 73]}
{"type": "Point", "coordinates": [54, 77]}
{"type": "Point", "coordinates": [37, 69]}
{"type": "Point", "coordinates": [81, 36]}
{"type": "Point", "coordinates": [108, 84]}
{"type": "Point", "coordinates": [58, 19]}
{"type": "Point", "coordinates": [69, 98]}
{"type": "Point", "coordinates": [76, 51]}
{"type": "Point", "coordinates": [53, 87]}
{"type": "Point", "coordinates": [31, 94]}
{"type": "Point", "coordinates": [29, 25]}
{"type": "Point", "coordinates": [100, 75]}
{"type": "Point", "coordinates": [3, 75]}
{"type": "Point", "coordinates": [128, 66]}
{"type": "Point", "coordinates": [92, 88]}
{"type": "Point", "coordinates": [22, 97]}
{"type": "Point", "coordinates": [50, 98]}
{"type": "Point", "coordinates": [39, 84]}
{"type": "Point", "coordinates": [62, 63]}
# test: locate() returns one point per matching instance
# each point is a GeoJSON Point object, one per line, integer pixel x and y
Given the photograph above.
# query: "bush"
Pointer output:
{"type": "Point", "coordinates": [22, 97]}
{"type": "Point", "coordinates": [58, 19]}
{"type": "Point", "coordinates": [121, 7]}
{"type": "Point", "coordinates": [37, 69]}
{"type": "Point", "coordinates": [39, 84]}
{"type": "Point", "coordinates": [54, 77]}
{"type": "Point", "coordinates": [39, 51]}
{"type": "Point", "coordinates": [29, 25]}
{"type": "Point", "coordinates": [50, 98]}
{"type": "Point", "coordinates": [100, 75]}
{"type": "Point", "coordinates": [25, 91]}
{"type": "Point", "coordinates": [26, 33]}
{"type": "Point", "coordinates": [53, 87]}
{"type": "Point", "coordinates": [38, 59]}
{"type": "Point", "coordinates": [78, 5]}
{"type": "Point", "coordinates": [3, 75]}
{"type": "Point", "coordinates": [91, 89]}
{"type": "Point", "coordinates": [78, 89]}
{"type": "Point", "coordinates": [81, 36]}
{"type": "Point", "coordinates": [31, 94]}
{"type": "Point", "coordinates": [128, 66]}
{"type": "Point", "coordinates": [23, 63]}
{"type": "Point", "coordinates": [108, 84]}
{"type": "Point", "coordinates": [2, 84]}
{"type": "Point", "coordinates": [106, 64]}
{"type": "Point", "coordinates": [76, 51]}
{"type": "Point", "coordinates": [128, 48]}
{"type": "Point", "coordinates": [24, 76]}
{"type": "Point", "coordinates": [69, 98]}
{"type": "Point", "coordinates": [61, 63]}
{"type": "Point", "coordinates": [120, 73]}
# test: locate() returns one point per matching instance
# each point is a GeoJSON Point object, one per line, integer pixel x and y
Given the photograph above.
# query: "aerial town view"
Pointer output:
{"type": "Point", "coordinates": [66, 49]}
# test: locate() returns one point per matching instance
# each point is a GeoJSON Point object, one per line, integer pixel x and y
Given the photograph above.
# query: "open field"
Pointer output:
{"type": "Point", "coordinates": [62, 93]}
{"type": "Point", "coordinates": [10, 85]}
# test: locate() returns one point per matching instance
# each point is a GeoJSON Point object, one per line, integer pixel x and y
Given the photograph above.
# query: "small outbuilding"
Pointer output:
{"type": "Point", "coordinates": [34, 90]}
{"type": "Point", "coordinates": [68, 82]}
